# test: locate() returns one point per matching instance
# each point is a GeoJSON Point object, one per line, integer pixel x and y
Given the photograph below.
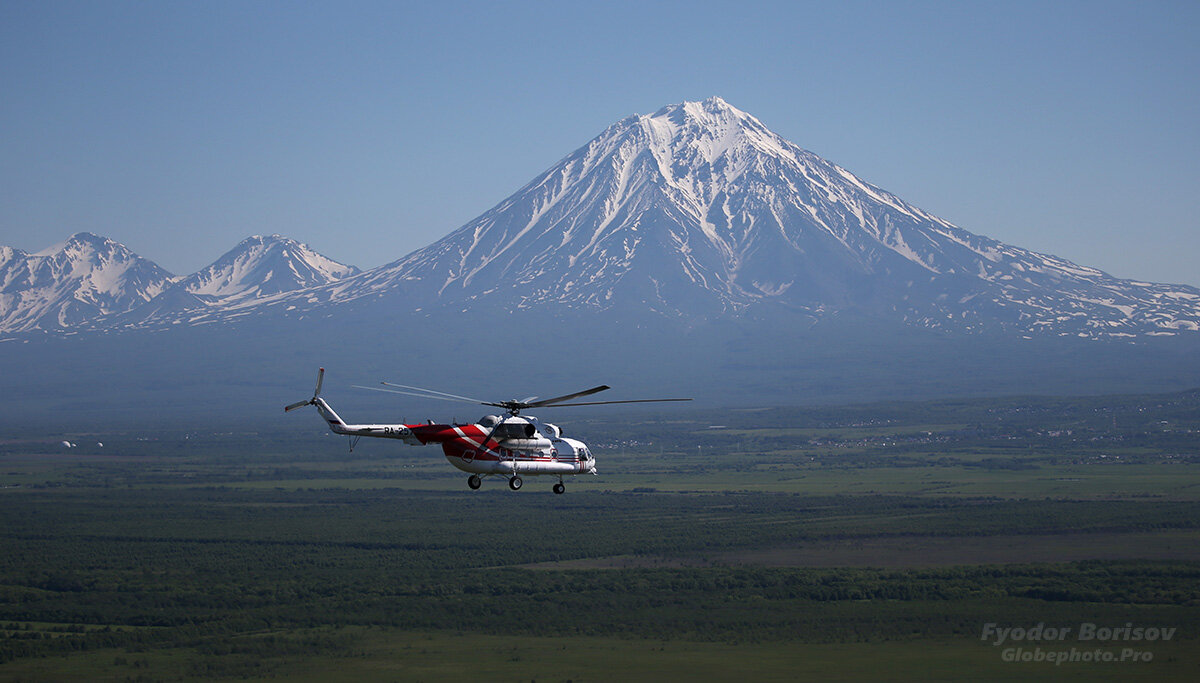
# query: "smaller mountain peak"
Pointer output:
{"type": "Point", "coordinates": [80, 240]}
{"type": "Point", "coordinates": [264, 266]}
{"type": "Point", "coordinates": [91, 239]}
{"type": "Point", "coordinates": [267, 243]}
{"type": "Point", "coordinates": [271, 240]}
{"type": "Point", "coordinates": [78, 280]}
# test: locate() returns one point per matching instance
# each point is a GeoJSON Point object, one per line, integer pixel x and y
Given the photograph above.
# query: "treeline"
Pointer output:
{"type": "Point", "coordinates": [67, 540]}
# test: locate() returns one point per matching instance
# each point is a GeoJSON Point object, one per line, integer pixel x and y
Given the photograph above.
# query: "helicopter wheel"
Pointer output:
{"type": "Point", "coordinates": [474, 481]}
{"type": "Point", "coordinates": [559, 488]}
{"type": "Point", "coordinates": [515, 483]}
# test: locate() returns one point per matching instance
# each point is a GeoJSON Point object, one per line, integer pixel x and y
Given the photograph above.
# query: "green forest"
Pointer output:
{"type": "Point", "coordinates": [870, 541]}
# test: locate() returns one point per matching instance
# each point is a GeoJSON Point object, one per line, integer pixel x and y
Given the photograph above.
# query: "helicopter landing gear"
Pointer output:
{"type": "Point", "coordinates": [559, 488]}
{"type": "Point", "coordinates": [515, 483]}
{"type": "Point", "coordinates": [474, 481]}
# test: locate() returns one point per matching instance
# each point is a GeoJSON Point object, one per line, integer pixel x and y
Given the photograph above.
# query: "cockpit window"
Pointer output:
{"type": "Point", "coordinates": [516, 430]}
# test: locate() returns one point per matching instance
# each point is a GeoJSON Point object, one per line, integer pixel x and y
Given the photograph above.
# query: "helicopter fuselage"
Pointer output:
{"type": "Point", "coordinates": [517, 445]}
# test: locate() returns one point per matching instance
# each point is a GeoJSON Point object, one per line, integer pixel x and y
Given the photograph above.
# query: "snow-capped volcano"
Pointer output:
{"type": "Point", "coordinates": [73, 283]}
{"type": "Point", "coordinates": [700, 210]}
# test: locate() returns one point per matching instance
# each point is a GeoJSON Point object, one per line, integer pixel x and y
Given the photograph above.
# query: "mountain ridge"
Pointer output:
{"type": "Point", "coordinates": [90, 282]}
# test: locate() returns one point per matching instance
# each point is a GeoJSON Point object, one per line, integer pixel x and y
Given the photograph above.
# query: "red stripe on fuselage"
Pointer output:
{"type": "Point", "coordinates": [465, 442]}
{"type": "Point", "coordinates": [443, 433]}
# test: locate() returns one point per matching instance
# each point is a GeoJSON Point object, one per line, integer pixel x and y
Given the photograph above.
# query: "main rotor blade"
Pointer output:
{"type": "Point", "coordinates": [431, 391]}
{"type": "Point", "coordinates": [568, 397]}
{"type": "Point", "coordinates": [320, 380]}
{"type": "Point", "coordinates": [605, 403]}
{"type": "Point", "coordinates": [412, 393]}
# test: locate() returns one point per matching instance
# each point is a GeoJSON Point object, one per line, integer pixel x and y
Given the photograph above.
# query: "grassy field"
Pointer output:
{"type": "Point", "coordinates": [856, 543]}
{"type": "Point", "coordinates": [387, 654]}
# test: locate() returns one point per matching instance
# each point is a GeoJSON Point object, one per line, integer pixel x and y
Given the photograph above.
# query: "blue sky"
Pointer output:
{"type": "Point", "coordinates": [371, 129]}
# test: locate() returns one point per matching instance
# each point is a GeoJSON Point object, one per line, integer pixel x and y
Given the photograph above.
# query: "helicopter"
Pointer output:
{"type": "Point", "coordinates": [509, 445]}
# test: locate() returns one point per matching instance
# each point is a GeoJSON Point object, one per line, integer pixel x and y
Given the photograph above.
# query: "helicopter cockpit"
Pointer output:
{"type": "Point", "coordinates": [523, 427]}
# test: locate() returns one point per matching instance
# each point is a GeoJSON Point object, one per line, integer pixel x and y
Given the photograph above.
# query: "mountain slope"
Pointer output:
{"type": "Point", "coordinates": [699, 210]}
{"type": "Point", "coordinates": [73, 283]}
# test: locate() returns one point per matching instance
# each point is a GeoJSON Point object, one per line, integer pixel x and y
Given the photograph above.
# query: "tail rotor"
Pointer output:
{"type": "Point", "coordinates": [316, 393]}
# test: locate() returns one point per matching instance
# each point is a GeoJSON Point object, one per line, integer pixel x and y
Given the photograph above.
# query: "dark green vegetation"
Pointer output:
{"type": "Point", "coordinates": [839, 543]}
